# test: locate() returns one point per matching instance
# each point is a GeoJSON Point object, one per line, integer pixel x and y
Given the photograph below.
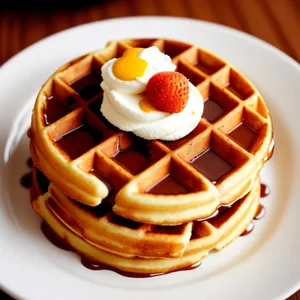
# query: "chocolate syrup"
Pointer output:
{"type": "Point", "coordinates": [135, 158]}
{"type": "Point", "coordinates": [88, 85]}
{"type": "Point", "coordinates": [133, 161]}
{"type": "Point", "coordinates": [261, 211]}
{"type": "Point", "coordinates": [168, 185]}
{"type": "Point", "coordinates": [52, 238]}
{"type": "Point", "coordinates": [243, 135]}
{"type": "Point", "coordinates": [248, 230]}
{"type": "Point", "coordinates": [264, 190]}
{"type": "Point", "coordinates": [56, 241]}
{"type": "Point", "coordinates": [55, 109]}
{"type": "Point", "coordinates": [26, 180]}
{"type": "Point", "coordinates": [29, 162]}
{"type": "Point", "coordinates": [87, 135]}
{"type": "Point", "coordinates": [95, 108]}
{"type": "Point", "coordinates": [103, 178]}
{"type": "Point", "coordinates": [212, 110]}
{"type": "Point", "coordinates": [42, 180]}
{"type": "Point", "coordinates": [95, 267]}
{"type": "Point", "coordinates": [211, 165]}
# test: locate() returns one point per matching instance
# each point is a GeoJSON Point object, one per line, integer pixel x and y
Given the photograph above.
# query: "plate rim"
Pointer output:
{"type": "Point", "coordinates": [231, 30]}
{"type": "Point", "coordinates": [259, 42]}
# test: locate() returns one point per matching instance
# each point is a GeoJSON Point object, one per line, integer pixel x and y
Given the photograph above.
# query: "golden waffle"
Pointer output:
{"type": "Point", "coordinates": [87, 158]}
{"type": "Point", "coordinates": [205, 236]}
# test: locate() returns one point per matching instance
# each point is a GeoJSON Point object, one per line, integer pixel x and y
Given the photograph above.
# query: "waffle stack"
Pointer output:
{"type": "Point", "coordinates": [148, 206]}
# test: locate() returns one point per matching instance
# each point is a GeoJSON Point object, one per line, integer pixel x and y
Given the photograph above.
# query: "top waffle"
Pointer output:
{"type": "Point", "coordinates": [153, 182]}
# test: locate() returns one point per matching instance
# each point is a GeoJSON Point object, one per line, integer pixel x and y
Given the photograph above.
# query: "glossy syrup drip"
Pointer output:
{"type": "Point", "coordinates": [96, 267]}
{"type": "Point", "coordinates": [271, 150]}
{"type": "Point", "coordinates": [29, 162]}
{"type": "Point", "coordinates": [260, 212]}
{"type": "Point", "coordinates": [248, 230]}
{"type": "Point", "coordinates": [168, 185]}
{"type": "Point", "coordinates": [52, 238]}
{"type": "Point", "coordinates": [264, 190]}
{"type": "Point", "coordinates": [26, 180]}
{"type": "Point", "coordinates": [211, 164]}
{"type": "Point", "coordinates": [56, 241]}
{"type": "Point", "coordinates": [243, 135]}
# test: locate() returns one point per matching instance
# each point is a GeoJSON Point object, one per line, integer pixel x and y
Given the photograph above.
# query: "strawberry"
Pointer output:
{"type": "Point", "coordinates": [168, 91]}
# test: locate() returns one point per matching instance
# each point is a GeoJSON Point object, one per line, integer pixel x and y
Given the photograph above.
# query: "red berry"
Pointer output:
{"type": "Point", "coordinates": [168, 91]}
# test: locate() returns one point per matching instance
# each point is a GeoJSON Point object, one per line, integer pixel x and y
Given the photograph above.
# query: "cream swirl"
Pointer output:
{"type": "Point", "coordinates": [122, 100]}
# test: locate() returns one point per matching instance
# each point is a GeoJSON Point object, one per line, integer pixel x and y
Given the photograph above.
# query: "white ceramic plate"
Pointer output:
{"type": "Point", "coordinates": [263, 265]}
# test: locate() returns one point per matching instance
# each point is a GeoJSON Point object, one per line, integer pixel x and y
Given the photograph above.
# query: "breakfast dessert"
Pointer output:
{"type": "Point", "coordinates": [104, 238]}
{"type": "Point", "coordinates": [147, 154]}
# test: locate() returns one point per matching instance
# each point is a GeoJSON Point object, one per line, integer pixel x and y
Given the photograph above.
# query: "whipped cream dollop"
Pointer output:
{"type": "Point", "coordinates": [125, 104]}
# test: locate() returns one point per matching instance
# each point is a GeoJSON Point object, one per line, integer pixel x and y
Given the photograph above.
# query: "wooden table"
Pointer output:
{"type": "Point", "coordinates": [275, 21]}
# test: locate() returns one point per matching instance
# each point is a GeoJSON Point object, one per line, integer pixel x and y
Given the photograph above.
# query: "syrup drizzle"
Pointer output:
{"type": "Point", "coordinates": [52, 238]}
{"type": "Point", "coordinates": [260, 213]}
{"type": "Point", "coordinates": [96, 267]}
{"type": "Point", "coordinates": [271, 150]}
{"type": "Point", "coordinates": [56, 241]}
{"type": "Point", "coordinates": [248, 230]}
{"type": "Point", "coordinates": [264, 190]}
{"type": "Point", "coordinates": [26, 180]}
{"type": "Point", "coordinates": [29, 162]}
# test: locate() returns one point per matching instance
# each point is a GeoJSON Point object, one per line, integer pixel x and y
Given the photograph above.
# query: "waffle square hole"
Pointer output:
{"type": "Point", "coordinates": [88, 85]}
{"type": "Point", "coordinates": [102, 169]}
{"type": "Point", "coordinates": [84, 77]}
{"type": "Point", "coordinates": [257, 104]}
{"type": "Point", "coordinates": [213, 156]}
{"type": "Point", "coordinates": [170, 177]}
{"type": "Point", "coordinates": [239, 86]}
{"type": "Point", "coordinates": [114, 51]}
{"type": "Point", "coordinates": [95, 106]}
{"type": "Point", "coordinates": [194, 77]}
{"type": "Point", "coordinates": [211, 165]}
{"type": "Point", "coordinates": [171, 48]}
{"type": "Point", "coordinates": [243, 135]}
{"type": "Point", "coordinates": [55, 109]}
{"type": "Point", "coordinates": [212, 110]}
{"type": "Point", "coordinates": [217, 104]}
{"type": "Point", "coordinates": [132, 153]}
{"type": "Point", "coordinates": [203, 61]}
{"type": "Point", "coordinates": [140, 43]}
{"type": "Point", "coordinates": [76, 135]}
{"type": "Point", "coordinates": [58, 104]}
{"type": "Point", "coordinates": [243, 128]}
{"type": "Point", "coordinates": [168, 185]}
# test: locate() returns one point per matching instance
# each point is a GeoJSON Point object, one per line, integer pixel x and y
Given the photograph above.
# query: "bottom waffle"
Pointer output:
{"type": "Point", "coordinates": [215, 233]}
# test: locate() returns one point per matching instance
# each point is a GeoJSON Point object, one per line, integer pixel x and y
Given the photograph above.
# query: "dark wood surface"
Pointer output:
{"type": "Point", "coordinates": [275, 21]}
